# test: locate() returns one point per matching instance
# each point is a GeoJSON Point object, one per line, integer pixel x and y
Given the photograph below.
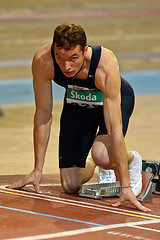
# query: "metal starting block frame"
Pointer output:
{"type": "Point", "coordinates": [153, 166]}
{"type": "Point", "coordinates": [97, 191]}
{"type": "Point", "coordinates": [156, 186]}
{"type": "Point", "coordinates": [151, 177]}
{"type": "Point", "coordinates": [103, 190]}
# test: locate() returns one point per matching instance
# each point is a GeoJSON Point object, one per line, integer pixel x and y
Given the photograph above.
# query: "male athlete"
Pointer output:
{"type": "Point", "coordinates": [97, 106]}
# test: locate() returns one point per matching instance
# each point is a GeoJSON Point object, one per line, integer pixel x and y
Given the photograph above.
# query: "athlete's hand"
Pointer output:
{"type": "Point", "coordinates": [33, 178]}
{"type": "Point", "coordinates": [126, 194]}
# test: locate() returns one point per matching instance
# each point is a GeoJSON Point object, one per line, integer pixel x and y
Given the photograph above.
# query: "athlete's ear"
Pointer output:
{"type": "Point", "coordinates": [85, 50]}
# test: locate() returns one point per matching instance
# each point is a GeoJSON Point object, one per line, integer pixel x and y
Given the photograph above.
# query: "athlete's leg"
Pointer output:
{"type": "Point", "coordinates": [77, 134]}
{"type": "Point", "coordinates": [102, 154]}
{"type": "Point", "coordinates": [73, 178]}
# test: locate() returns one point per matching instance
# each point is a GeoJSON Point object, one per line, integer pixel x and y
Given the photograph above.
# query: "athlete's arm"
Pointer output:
{"type": "Point", "coordinates": [109, 82]}
{"type": "Point", "coordinates": [42, 70]}
{"type": "Point", "coordinates": [43, 115]}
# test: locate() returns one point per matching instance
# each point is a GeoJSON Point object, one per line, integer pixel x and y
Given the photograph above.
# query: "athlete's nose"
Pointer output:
{"type": "Point", "coordinates": [67, 65]}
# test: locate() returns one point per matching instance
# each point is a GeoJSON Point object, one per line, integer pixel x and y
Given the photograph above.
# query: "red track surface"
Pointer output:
{"type": "Point", "coordinates": [56, 215]}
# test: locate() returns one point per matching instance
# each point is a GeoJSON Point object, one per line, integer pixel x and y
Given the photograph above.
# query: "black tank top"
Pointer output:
{"type": "Point", "coordinates": [64, 81]}
{"type": "Point", "coordinates": [83, 91]}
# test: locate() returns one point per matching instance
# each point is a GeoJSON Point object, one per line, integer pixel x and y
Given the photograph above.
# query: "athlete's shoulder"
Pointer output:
{"type": "Point", "coordinates": [42, 60]}
{"type": "Point", "coordinates": [108, 54]}
{"type": "Point", "coordinates": [108, 60]}
{"type": "Point", "coordinates": [43, 55]}
{"type": "Point", "coordinates": [108, 64]}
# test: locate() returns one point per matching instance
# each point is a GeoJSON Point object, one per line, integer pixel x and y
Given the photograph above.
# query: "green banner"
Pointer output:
{"type": "Point", "coordinates": [84, 96]}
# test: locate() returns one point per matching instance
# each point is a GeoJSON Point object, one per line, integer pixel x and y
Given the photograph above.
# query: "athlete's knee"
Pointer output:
{"type": "Point", "coordinates": [70, 186]}
{"type": "Point", "coordinates": [101, 157]}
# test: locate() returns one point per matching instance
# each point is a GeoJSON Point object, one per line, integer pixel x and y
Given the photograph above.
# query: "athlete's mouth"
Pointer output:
{"type": "Point", "coordinates": [69, 73]}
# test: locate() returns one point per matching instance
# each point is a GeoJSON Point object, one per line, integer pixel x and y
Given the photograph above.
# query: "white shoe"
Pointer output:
{"type": "Point", "coordinates": [106, 176]}
{"type": "Point", "coordinates": [135, 173]}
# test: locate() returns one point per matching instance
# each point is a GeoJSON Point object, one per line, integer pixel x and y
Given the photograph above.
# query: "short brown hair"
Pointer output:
{"type": "Point", "coordinates": [68, 36]}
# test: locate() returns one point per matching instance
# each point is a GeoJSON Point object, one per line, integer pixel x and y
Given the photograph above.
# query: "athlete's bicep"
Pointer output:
{"type": "Point", "coordinates": [111, 89]}
{"type": "Point", "coordinates": [42, 86]}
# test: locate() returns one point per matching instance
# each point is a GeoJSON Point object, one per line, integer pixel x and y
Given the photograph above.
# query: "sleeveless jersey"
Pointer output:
{"type": "Point", "coordinates": [83, 91]}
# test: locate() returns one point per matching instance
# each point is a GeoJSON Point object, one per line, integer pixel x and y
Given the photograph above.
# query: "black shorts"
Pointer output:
{"type": "Point", "coordinates": [80, 125]}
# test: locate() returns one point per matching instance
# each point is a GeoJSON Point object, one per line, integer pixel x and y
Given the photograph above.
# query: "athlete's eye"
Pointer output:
{"type": "Point", "coordinates": [59, 57]}
{"type": "Point", "coordinates": [73, 59]}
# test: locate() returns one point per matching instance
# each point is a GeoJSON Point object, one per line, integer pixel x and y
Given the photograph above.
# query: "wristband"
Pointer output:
{"type": "Point", "coordinates": [126, 187]}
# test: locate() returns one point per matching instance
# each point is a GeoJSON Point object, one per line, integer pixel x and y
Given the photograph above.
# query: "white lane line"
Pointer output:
{"type": "Point", "coordinates": [129, 236]}
{"type": "Point", "coordinates": [25, 63]}
{"type": "Point", "coordinates": [149, 229]}
{"type": "Point", "coordinates": [91, 38]}
{"type": "Point", "coordinates": [15, 63]}
{"type": "Point", "coordinates": [84, 230]}
{"type": "Point", "coordinates": [48, 184]}
{"type": "Point", "coordinates": [80, 14]}
{"type": "Point", "coordinates": [64, 202]}
{"type": "Point", "coordinates": [80, 203]}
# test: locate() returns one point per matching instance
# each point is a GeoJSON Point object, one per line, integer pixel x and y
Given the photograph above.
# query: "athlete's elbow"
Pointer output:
{"type": "Point", "coordinates": [115, 133]}
{"type": "Point", "coordinates": [42, 118]}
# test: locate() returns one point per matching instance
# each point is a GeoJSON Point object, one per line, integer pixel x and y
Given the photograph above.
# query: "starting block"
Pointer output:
{"type": "Point", "coordinates": [150, 184]}
{"type": "Point", "coordinates": [153, 166]}
{"type": "Point", "coordinates": [156, 186]}
{"type": "Point", "coordinates": [99, 191]}
{"type": "Point", "coordinates": [146, 193]}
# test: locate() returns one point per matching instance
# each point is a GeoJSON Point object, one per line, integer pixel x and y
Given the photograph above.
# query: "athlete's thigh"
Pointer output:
{"type": "Point", "coordinates": [77, 133]}
{"type": "Point", "coordinates": [127, 106]}
{"type": "Point", "coordinates": [127, 103]}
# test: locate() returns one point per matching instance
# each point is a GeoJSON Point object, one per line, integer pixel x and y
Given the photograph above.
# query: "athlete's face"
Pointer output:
{"type": "Point", "coordinates": [69, 61]}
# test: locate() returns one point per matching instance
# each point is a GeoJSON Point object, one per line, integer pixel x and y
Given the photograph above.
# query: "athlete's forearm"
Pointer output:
{"type": "Point", "coordinates": [41, 134]}
{"type": "Point", "coordinates": [121, 158]}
